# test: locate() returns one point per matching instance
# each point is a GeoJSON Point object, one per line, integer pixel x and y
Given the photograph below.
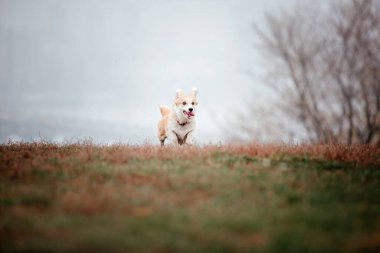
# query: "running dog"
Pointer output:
{"type": "Point", "coordinates": [178, 123]}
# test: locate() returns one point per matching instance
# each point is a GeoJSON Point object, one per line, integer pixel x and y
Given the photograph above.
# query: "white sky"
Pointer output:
{"type": "Point", "coordinates": [80, 68]}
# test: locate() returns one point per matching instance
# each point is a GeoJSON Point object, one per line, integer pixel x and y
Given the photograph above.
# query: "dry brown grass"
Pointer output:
{"type": "Point", "coordinates": [27, 155]}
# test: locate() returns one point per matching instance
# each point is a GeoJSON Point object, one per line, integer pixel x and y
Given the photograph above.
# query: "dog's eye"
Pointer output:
{"type": "Point", "coordinates": [192, 103]}
{"type": "Point", "coordinates": [184, 102]}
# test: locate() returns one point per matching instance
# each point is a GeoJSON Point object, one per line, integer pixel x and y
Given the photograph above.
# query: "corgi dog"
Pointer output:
{"type": "Point", "coordinates": [178, 123]}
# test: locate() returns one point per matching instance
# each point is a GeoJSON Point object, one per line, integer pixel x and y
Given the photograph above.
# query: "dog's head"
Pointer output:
{"type": "Point", "coordinates": [186, 105]}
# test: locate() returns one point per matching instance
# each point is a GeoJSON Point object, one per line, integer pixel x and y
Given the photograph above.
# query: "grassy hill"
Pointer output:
{"type": "Point", "coordinates": [253, 198]}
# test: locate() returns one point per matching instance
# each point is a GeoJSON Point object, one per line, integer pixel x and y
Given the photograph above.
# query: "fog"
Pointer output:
{"type": "Point", "coordinates": [79, 69]}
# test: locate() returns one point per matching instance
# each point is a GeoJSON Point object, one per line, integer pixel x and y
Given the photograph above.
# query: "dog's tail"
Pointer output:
{"type": "Point", "coordinates": [164, 110]}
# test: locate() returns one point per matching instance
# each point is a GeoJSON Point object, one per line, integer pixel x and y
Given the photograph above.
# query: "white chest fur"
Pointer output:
{"type": "Point", "coordinates": [182, 130]}
{"type": "Point", "coordinates": [179, 132]}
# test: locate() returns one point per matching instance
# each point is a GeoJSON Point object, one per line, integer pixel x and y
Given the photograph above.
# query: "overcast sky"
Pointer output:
{"type": "Point", "coordinates": [85, 68]}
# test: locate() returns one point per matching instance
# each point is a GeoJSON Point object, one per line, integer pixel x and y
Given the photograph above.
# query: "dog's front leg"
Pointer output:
{"type": "Point", "coordinates": [190, 138]}
{"type": "Point", "coordinates": [173, 138]}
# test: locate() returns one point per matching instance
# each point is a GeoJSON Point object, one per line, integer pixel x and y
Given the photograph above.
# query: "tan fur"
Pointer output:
{"type": "Point", "coordinates": [163, 123]}
{"type": "Point", "coordinates": [165, 111]}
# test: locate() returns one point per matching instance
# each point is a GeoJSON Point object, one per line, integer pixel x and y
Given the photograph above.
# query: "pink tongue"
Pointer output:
{"type": "Point", "coordinates": [189, 114]}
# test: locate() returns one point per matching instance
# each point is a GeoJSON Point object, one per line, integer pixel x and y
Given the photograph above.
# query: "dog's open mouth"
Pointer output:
{"type": "Point", "coordinates": [188, 114]}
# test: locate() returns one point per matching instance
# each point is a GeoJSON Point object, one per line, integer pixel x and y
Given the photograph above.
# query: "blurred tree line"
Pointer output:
{"type": "Point", "coordinates": [323, 65]}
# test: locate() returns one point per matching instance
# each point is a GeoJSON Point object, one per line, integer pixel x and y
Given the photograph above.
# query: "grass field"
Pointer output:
{"type": "Point", "coordinates": [253, 198]}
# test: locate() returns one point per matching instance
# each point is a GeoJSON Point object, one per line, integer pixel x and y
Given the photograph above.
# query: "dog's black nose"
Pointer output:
{"type": "Point", "coordinates": [190, 109]}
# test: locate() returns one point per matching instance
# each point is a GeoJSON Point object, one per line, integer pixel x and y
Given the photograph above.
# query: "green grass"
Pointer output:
{"type": "Point", "coordinates": [99, 199]}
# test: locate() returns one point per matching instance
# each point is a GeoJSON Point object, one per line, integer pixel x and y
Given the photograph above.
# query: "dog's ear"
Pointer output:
{"type": "Point", "coordinates": [194, 92]}
{"type": "Point", "coordinates": [178, 93]}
